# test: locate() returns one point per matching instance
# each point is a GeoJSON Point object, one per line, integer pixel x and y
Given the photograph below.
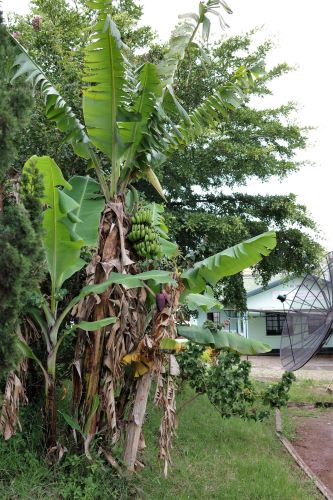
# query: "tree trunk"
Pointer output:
{"type": "Point", "coordinates": [97, 364]}
{"type": "Point", "coordinates": [50, 414]}
{"type": "Point", "coordinates": [135, 424]}
{"type": "Point", "coordinates": [92, 370]}
{"type": "Point", "coordinates": [90, 349]}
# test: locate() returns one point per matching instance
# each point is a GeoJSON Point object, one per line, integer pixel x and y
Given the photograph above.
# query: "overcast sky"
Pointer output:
{"type": "Point", "coordinates": [303, 33]}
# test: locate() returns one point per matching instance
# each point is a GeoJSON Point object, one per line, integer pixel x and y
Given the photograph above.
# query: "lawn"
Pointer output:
{"type": "Point", "coordinates": [213, 458]}
{"type": "Point", "coordinates": [223, 459]}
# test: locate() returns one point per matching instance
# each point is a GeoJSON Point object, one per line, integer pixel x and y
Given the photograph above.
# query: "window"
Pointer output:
{"type": "Point", "coordinates": [274, 323]}
{"type": "Point", "coordinates": [231, 313]}
{"type": "Point", "coordinates": [215, 317]}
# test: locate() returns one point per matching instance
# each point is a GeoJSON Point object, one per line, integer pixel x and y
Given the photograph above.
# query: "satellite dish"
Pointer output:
{"type": "Point", "coordinates": [309, 321]}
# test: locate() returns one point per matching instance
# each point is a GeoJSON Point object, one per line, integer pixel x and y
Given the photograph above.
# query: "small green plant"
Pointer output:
{"type": "Point", "coordinates": [277, 395]}
{"type": "Point", "coordinates": [225, 378]}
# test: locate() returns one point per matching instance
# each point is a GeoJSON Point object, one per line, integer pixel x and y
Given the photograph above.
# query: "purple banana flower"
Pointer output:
{"type": "Point", "coordinates": [160, 301]}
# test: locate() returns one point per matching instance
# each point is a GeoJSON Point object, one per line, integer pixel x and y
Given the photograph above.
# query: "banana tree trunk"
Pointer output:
{"type": "Point", "coordinates": [50, 409]}
{"type": "Point", "coordinates": [97, 365]}
{"type": "Point", "coordinates": [92, 370]}
{"type": "Point", "coordinates": [50, 414]}
{"type": "Point", "coordinates": [1, 199]}
{"type": "Point", "coordinates": [163, 326]}
{"type": "Point", "coordinates": [135, 424]}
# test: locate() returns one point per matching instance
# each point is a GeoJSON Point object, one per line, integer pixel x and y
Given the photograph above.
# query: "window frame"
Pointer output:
{"type": "Point", "coordinates": [275, 328]}
{"type": "Point", "coordinates": [215, 317]}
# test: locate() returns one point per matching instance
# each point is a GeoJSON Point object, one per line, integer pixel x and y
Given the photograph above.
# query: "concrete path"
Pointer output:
{"type": "Point", "coordinates": [269, 367]}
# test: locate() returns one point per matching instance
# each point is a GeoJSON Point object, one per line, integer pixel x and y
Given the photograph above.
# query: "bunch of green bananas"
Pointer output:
{"type": "Point", "coordinates": [144, 236]}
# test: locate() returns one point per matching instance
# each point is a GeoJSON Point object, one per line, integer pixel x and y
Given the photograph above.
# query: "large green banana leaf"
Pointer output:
{"type": "Point", "coordinates": [149, 91]}
{"type": "Point", "coordinates": [84, 219]}
{"type": "Point", "coordinates": [105, 95]}
{"type": "Point", "coordinates": [229, 262]}
{"type": "Point", "coordinates": [223, 340]}
{"type": "Point", "coordinates": [195, 301]}
{"type": "Point", "coordinates": [129, 280]}
{"type": "Point", "coordinates": [214, 109]}
{"type": "Point", "coordinates": [62, 251]}
{"type": "Point", "coordinates": [56, 108]}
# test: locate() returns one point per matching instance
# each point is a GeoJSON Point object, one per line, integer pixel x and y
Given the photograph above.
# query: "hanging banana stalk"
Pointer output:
{"type": "Point", "coordinates": [149, 352]}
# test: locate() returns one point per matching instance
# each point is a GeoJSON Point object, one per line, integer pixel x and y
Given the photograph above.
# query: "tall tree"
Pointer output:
{"type": "Point", "coordinates": [20, 255]}
{"type": "Point", "coordinates": [256, 142]}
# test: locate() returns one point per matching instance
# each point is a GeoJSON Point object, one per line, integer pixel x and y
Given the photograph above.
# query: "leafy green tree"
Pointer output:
{"type": "Point", "coordinates": [225, 379]}
{"type": "Point", "coordinates": [201, 180]}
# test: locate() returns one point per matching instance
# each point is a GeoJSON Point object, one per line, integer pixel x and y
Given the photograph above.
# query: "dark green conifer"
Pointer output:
{"type": "Point", "coordinates": [21, 257]}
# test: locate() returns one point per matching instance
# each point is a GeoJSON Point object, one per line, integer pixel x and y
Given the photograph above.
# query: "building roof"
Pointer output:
{"type": "Point", "coordinates": [272, 284]}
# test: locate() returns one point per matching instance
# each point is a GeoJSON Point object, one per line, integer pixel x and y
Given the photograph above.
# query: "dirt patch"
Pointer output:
{"type": "Point", "coordinates": [314, 443]}
{"type": "Point", "coordinates": [308, 406]}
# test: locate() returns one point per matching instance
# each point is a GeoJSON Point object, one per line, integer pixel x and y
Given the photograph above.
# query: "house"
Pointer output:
{"type": "Point", "coordinates": [265, 316]}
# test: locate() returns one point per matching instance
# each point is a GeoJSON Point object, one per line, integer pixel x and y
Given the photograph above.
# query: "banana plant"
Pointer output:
{"type": "Point", "coordinates": [228, 262]}
{"type": "Point", "coordinates": [133, 118]}
{"type": "Point", "coordinates": [70, 221]}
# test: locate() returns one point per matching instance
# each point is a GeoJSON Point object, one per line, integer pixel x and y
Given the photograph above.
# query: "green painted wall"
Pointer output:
{"type": "Point", "coordinates": [257, 331]}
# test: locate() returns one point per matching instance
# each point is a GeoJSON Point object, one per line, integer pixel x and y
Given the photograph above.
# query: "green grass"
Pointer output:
{"type": "Point", "coordinates": [223, 459]}
{"type": "Point", "coordinates": [310, 391]}
{"type": "Point", "coordinates": [24, 473]}
{"type": "Point", "coordinates": [303, 391]}
{"type": "Point", "coordinates": [212, 459]}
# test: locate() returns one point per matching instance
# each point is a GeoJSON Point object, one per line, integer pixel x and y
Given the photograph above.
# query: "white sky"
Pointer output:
{"type": "Point", "coordinates": [303, 32]}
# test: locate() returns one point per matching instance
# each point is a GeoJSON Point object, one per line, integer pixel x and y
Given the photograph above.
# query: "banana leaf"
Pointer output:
{"type": "Point", "coordinates": [106, 92]}
{"type": "Point", "coordinates": [229, 262]}
{"type": "Point", "coordinates": [178, 43]}
{"type": "Point", "coordinates": [56, 108]}
{"type": "Point", "coordinates": [195, 301]}
{"type": "Point", "coordinates": [90, 326]}
{"type": "Point", "coordinates": [84, 219]}
{"type": "Point", "coordinates": [148, 92]}
{"type": "Point", "coordinates": [61, 249]}
{"type": "Point", "coordinates": [223, 340]}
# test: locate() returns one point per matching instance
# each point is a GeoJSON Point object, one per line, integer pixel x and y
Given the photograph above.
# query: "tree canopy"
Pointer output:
{"type": "Point", "coordinates": [202, 181]}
